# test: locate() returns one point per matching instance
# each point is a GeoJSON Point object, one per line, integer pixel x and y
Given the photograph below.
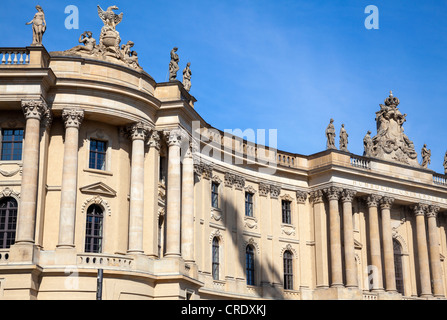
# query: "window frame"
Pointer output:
{"type": "Point", "coordinates": [215, 194]}
{"type": "Point", "coordinates": [215, 258]}
{"type": "Point", "coordinates": [89, 246]}
{"type": "Point", "coordinates": [286, 212]}
{"type": "Point", "coordinates": [249, 204]}
{"type": "Point", "coordinates": [250, 265]}
{"type": "Point", "coordinates": [288, 270]}
{"type": "Point", "coordinates": [13, 143]}
{"type": "Point", "coordinates": [96, 152]}
{"type": "Point", "coordinates": [7, 233]}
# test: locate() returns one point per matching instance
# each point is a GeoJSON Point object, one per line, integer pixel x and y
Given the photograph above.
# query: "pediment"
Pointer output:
{"type": "Point", "coordinates": [99, 188]}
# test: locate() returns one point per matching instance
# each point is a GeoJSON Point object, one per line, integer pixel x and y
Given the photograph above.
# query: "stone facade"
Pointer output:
{"type": "Point", "coordinates": [175, 216]}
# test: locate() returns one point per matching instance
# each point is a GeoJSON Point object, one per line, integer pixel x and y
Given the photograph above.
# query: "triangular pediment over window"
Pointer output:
{"type": "Point", "coordinates": [99, 188]}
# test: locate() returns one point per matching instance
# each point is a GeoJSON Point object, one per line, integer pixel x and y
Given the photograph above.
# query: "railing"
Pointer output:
{"type": "Point", "coordinates": [286, 160]}
{"type": "Point", "coordinates": [103, 261]}
{"type": "Point", "coordinates": [440, 179]}
{"type": "Point", "coordinates": [4, 256]}
{"type": "Point", "coordinates": [360, 162]}
{"type": "Point", "coordinates": [14, 56]}
{"type": "Point", "coordinates": [369, 296]}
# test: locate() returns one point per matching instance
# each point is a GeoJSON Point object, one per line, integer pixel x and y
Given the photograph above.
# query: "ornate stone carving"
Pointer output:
{"type": "Point", "coordinates": [72, 117]}
{"type": "Point", "coordinates": [343, 139]}
{"type": "Point", "coordinates": [39, 26]}
{"type": "Point", "coordinates": [137, 131]}
{"type": "Point", "coordinates": [386, 202]}
{"type": "Point", "coordinates": [330, 135]}
{"type": "Point", "coordinates": [88, 46]}
{"type": "Point", "coordinates": [204, 169]}
{"type": "Point", "coordinates": [372, 200]}
{"type": "Point", "coordinates": [419, 209]}
{"type": "Point", "coordinates": [287, 197]}
{"type": "Point", "coordinates": [12, 173]}
{"type": "Point", "coordinates": [275, 191]}
{"type": "Point", "coordinates": [316, 196]}
{"type": "Point", "coordinates": [348, 195]}
{"type": "Point", "coordinates": [99, 201]}
{"type": "Point", "coordinates": [391, 143]}
{"type": "Point", "coordinates": [174, 137]}
{"type": "Point", "coordinates": [445, 163]}
{"type": "Point", "coordinates": [426, 154]}
{"type": "Point", "coordinates": [250, 189]}
{"type": "Point", "coordinates": [432, 211]}
{"type": "Point", "coordinates": [239, 182]}
{"type": "Point", "coordinates": [301, 196]}
{"type": "Point", "coordinates": [264, 189]}
{"type": "Point", "coordinates": [154, 140]}
{"type": "Point", "coordinates": [289, 247]}
{"type": "Point", "coordinates": [35, 109]}
{"type": "Point", "coordinates": [7, 192]}
{"type": "Point", "coordinates": [187, 77]}
{"type": "Point", "coordinates": [333, 193]}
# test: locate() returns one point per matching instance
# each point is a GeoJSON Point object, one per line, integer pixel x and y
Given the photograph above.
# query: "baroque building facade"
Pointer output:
{"type": "Point", "coordinates": [103, 168]}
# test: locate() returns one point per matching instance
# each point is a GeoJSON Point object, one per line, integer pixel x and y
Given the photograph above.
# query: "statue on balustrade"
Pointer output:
{"type": "Point", "coordinates": [330, 135]}
{"type": "Point", "coordinates": [445, 163]}
{"type": "Point", "coordinates": [343, 139]}
{"type": "Point", "coordinates": [368, 145]}
{"type": "Point", "coordinates": [426, 154]}
{"type": "Point", "coordinates": [39, 26]}
{"type": "Point", "coordinates": [391, 143]}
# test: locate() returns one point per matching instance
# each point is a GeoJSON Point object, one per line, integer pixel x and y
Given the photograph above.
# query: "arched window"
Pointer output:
{"type": "Point", "coordinates": [250, 265]}
{"type": "Point", "coordinates": [288, 270]}
{"type": "Point", "coordinates": [8, 222]}
{"type": "Point", "coordinates": [94, 229]}
{"type": "Point", "coordinates": [215, 258]}
{"type": "Point", "coordinates": [398, 267]}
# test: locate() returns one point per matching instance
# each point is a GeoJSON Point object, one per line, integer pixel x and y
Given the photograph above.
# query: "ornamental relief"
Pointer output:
{"type": "Point", "coordinates": [251, 223]}
{"type": "Point", "coordinates": [289, 247]}
{"type": "Point", "coordinates": [12, 173]}
{"type": "Point", "coordinates": [288, 229]}
{"type": "Point", "coordinates": [7, 192]}
{"type": "Point", "coordinates": [99, 201]}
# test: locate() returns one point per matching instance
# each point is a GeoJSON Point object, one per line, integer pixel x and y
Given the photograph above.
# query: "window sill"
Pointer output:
{"type": "Point", "coordinates": [101, 172]}
{"type": "Point", "coordinates": [11, 162]}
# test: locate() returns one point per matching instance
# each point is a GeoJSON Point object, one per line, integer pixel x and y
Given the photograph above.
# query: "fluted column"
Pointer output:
{"type": "Point", "coordinates": [348, 236]}
{"type": "Point", "coordinates": [374, 239]}
{"type": "Point", "coordinates": [138, 133]}
{"type": "Point", "coordinates": [387, 241]}
{"type": "Point", "coordinates": [188, 207]}
{"type": "Point", "coordinates": [35, 111]}
{"type": "Point", "coordinates": [174, 139]}
{"type": "Point", "coordinates": [320, 235]}
{"type": "Point", "coordinates": [333, 195]}
{"type": "Point", "coordinates": [435, 262]}
{"type": "Point", "coordinates": [421, 236]}
{"type": "Point", "coordinates": [72, 120]}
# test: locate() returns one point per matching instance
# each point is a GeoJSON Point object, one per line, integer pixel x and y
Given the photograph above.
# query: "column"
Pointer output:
{"type": "Point", "coordinates": [320, 235]}
{"type": "Point", "coordinates": [374, 239]}
{"type": "Point", "coordinates": [421, 236]}
{"type": "Point", "coordinates": [72, 120]}
{"type": "Point", "coordinates": [188, 207]}
{"type": "Point", "coordinates": [138, 133]}
{"type": "Point", "coordinates": [333, 195]}
{"type": "Point", "coordinates": [435, 261]}
{"type": "Point", "coordinates": [348, 235]}
{"type": "Point", "coordinates": [174, 139]}
{"type": "Point", "coordinates": [387, 241]}
{"type": "Point", "coordinates": [35, 111]}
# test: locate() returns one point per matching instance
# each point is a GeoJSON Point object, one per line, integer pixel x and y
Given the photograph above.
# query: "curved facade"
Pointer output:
{"type": "Point", "coordinates": [104, 168]}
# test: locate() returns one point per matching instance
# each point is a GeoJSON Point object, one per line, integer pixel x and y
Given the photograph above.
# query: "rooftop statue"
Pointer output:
{"type": "Point", "coordinates": [173, 65]}
{"type": "Point", "coordinates": [343, 139]}
{"type": "Point", "coordinates": [109, 17]}
{"type": "Point", "coordinates": [368, 145]}
{"type": "Point", "coordinates": [391, 143]}
{"type": "Point", "coordinates": [330, 135]}
{"type": "Point", "coordinates": [445, 163]}
{"type": "Point", "coordinates": [187, 77]}
{"type": "Point", "coordinates": [39, 26]}
{"type": "Point", "coordinates": [426, 154]}
{"type": "Point", "coordinates": [89, 43]}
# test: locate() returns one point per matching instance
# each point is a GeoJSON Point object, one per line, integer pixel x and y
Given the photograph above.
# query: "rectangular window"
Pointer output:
{"type": "Point", "coordinates": [286, 213]}
{"type": "Point", "coordinates": [249, 204]}
{"type": "Point", "coordinates": [12, 141]}
{"type": "Point", "coordinates": [215, 195]}
{"type": "Point", "coordinates": [98, 151]}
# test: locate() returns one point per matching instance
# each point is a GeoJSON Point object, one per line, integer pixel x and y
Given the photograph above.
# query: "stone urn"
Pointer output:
{"type": "Point", "coordinates": [110, 39]}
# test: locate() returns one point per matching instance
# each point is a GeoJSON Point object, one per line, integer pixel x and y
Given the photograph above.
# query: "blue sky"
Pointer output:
{"type": "Point", "coordinates": [285, 65]}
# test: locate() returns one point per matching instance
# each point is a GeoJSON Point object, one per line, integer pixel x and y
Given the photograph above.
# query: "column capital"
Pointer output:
{"type": "Point", "coordinates": [301, 196]}
{"type": "Point", "coordinates": [432, 211]}
{"type": "Point", "coordinates": [175, 137]}
{"type": "Point", "coordinates": [372, 200]}
{"type": "Point", "coordinates": [348, 195]}
{"type": "Point", "coordinates": [386, 202]}
{"type": "Point", "coordinates": [316, 196]}
{"type": "Point", "coordinates": [72, 117]}
{"type": "Point", "coordinates": [333, 193]}
{"type": "Point", "coordinates": [154, 140]}
{"type": "Point", "coordinates": [419, 209]}
{"type": "Point", "coordinates": [35, 109]}
{"type": "Point", "coordinates": [137, 131]}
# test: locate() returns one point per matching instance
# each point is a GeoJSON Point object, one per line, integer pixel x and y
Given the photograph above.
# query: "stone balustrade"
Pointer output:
{"type": "Point", "coordinates": [104, 261]}
{"type": "Point", "coordinates": [360, 162]}
{"type": "Point", "coordinates": [440, 179]}
{"type": "Point", "coordinates": [4, 256]}
{"type": "Point", "coordinates": [14, 56]}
